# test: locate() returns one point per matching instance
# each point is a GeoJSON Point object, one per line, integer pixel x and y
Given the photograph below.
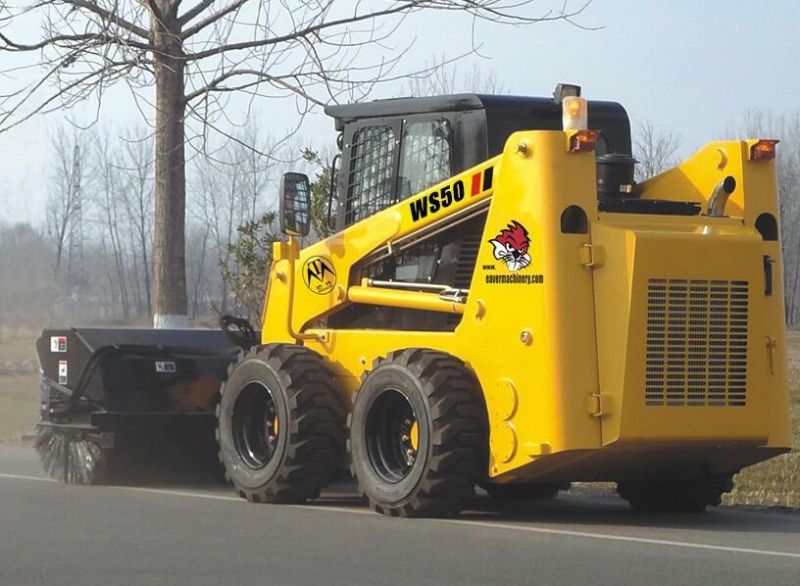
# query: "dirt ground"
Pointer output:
{"type": "Point", "coordinates": [772, 483]}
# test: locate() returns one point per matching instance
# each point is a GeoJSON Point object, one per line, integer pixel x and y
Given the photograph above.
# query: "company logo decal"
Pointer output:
{"type": "Point", "coordinates": [512, 247]}
{"type": "Point", "coordinates": [319, 275]}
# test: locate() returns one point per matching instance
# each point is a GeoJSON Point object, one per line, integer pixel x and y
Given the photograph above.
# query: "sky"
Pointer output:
{"type": "Point", "coordinates": [692, 68]}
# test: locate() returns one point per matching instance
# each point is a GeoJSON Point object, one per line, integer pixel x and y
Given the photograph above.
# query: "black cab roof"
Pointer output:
{"type": "Point", "coordinates": [506, 112]}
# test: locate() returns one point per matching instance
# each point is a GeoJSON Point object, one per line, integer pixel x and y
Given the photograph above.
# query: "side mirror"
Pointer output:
{"type": "Point", "coordinates": [295, 204]}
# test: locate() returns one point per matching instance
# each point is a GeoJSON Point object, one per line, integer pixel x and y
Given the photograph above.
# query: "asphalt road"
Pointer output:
{"type": "Point", "coordinates": [58, 534]}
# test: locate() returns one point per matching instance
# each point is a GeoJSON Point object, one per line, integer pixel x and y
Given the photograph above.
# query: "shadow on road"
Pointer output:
{"type": "Point", "coordinates": [594, 511]}
{"type": "Point", "coordinates": [610, 510]}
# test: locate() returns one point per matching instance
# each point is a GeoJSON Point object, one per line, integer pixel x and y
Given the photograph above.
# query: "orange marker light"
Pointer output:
{"type": "Point", "coordinates": [763, 150]}
{"type": "Point", "coordinates": [583, 141]}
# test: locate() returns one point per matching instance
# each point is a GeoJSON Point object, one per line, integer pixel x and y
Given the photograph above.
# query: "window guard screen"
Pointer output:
{"type": "Point", "coordinates": [370, 179]}
{"type": "Point", "coordinates": [425, 160]}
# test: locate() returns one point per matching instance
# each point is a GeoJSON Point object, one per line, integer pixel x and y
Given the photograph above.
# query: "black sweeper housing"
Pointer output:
{"type": "Point", "coordinates": [114, 400]}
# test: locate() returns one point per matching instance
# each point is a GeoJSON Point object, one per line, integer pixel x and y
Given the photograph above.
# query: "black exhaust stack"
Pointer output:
{"type": "Point", "coordinates": [615, 173]}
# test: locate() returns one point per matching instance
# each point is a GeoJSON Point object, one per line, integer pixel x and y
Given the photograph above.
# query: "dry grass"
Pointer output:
{"type": "Point", "coordinates": [776, 482]}
{"type": "Point", "coordinates": [19, 393]}
{"type": "Point", "coordinates": [19, 405]}
{"type": "Point", "coordinates": [772, 483]}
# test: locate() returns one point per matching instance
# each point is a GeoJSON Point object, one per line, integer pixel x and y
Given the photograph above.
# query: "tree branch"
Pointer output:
{"type": "Point", "coordinates": [261, 77]}
{"type": "Point", "coordinates": [109, 70]}
{"type": "Point", "coordinates": [212, 18]}
{"type": "Point", "coordinates": [74, 39]}
{"type": "Point", "coordinates": [194, 11]}
{"type": "Point", "coordinates": [111, 17]}
{"type": "Point", "coordinates": [405, 6]}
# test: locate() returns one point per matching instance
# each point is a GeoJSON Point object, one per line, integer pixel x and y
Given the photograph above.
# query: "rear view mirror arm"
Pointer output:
{"type": "Point", "coordinates": [331, 189]}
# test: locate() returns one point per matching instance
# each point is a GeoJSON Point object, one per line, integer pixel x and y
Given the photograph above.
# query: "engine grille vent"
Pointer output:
{"type": "Point", "coordinates": [696, 343]}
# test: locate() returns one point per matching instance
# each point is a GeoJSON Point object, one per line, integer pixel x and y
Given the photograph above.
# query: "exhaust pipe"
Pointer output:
{"type": "Point", "coordinates": [719, 197]}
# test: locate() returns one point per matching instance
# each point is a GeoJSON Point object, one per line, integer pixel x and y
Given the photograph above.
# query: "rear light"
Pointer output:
{"type": "Point", "coordinates": [583, 141]}
{"type": "Point", "coordinates": [574, 113]}
{"type": "Point", "coordinates": [763, 150]}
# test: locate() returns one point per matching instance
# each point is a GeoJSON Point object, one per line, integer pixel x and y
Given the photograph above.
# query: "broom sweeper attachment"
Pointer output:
{"type": "Point", "coordinates": [131, 404]}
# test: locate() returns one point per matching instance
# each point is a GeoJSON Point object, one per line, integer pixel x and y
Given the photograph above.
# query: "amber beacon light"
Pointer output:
{"type": "Point", "coordinates": [763, 150]}
{"type": "Point", "coordinates": [584, 141]}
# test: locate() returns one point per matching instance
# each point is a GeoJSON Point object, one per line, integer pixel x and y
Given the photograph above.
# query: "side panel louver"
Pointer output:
{"type": "Point", "coordinates": [697, 338]}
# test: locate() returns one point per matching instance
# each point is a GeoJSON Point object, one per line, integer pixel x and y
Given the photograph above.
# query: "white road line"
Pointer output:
{"type": "Point", "coordinates": [186, 493]}
{"type": "Point", "coordinates": [20, 477]}
{"type": "Point", "coordinates": [612, 537]}
{"type": "Point", "coordinates": [482, 524]}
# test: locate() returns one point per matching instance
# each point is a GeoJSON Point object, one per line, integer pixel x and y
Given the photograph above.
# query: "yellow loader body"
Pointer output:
{"type": "Point", "coordinates": [612, 346]}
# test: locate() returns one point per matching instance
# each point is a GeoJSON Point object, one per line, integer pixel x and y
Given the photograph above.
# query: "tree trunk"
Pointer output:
{"type": "Point", "coordinates": [169, 251]}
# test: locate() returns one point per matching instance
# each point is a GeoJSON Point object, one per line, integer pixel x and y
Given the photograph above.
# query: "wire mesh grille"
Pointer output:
{"type": "Point", "coordinates": [370, 187]}
{"type": "Point", "coordinates": [426, 156]}
{"type": "Point", "coordinates": [697, 340]}
{"type": "Point", "coordinates": [296, 203]}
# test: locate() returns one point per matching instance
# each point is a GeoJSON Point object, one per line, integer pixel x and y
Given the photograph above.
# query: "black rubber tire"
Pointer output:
{"type": "Point", "coordinates": [691, 496]}
{"type": "Point", "coordinates": [452, 450]}
{"type": "Point", "coordinates": [309, 451]}
{"type": "Point", "coordinates": [525, 492]}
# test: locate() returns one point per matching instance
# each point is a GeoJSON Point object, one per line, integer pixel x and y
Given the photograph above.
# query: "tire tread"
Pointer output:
{"type": "Point", "coordinates": [459, 435]}
{"type": "Point", "coordinates": [315, 448]}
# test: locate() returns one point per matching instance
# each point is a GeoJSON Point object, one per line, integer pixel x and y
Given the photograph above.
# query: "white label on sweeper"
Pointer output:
{"type": "Point", "coordinates": [165, 367]}
{"type": "Point", "coordinates": [58, 344]}
{"type": "Point", "coordinates": [62, 372]}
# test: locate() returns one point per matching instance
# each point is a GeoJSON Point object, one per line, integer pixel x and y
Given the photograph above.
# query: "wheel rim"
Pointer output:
{"type": "Point", "coordinates": [392, 435]}
{"type": "Point", "coordinates": [255, 425]}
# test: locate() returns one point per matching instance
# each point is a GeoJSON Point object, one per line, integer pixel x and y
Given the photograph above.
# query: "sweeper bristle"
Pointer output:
{"type": "Point", "coordinates": [69, 459]}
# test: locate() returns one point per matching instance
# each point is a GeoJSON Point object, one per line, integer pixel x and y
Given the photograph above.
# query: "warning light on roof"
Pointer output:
{"type": "Point", "coordinates": [763, 150]}
{"type": "Point", "coordinates": [575, 113]}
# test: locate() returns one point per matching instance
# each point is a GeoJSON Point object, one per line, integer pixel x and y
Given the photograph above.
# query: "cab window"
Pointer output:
{"type": "Point", "coordinates": [425, 158]}
{"type": "Point", "coordinates": [370, 177]}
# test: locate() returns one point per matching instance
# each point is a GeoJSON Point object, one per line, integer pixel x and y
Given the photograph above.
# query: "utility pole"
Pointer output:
{"type": "Point", "coordinates": [76, 274]}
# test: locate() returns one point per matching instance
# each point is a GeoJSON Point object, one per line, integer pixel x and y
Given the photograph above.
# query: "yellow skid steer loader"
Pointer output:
{"type": "Point", "coordinates": [502, 305]}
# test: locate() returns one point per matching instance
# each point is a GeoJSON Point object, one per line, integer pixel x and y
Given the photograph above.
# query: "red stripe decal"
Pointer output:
{"type": "Point", "coordinates": [476, 184]}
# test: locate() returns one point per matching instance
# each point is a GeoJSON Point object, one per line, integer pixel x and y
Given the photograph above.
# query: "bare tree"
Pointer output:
{"type": "Point", "coordinates": [759, 124]}
{"type": "Point", "coordinates": [654, 149]}
{"type": "Point", "coordinates": [196, 56]}
{"type": "Point", "coordinates": [108, 195]}
{"type": "Point", "coordinates": [228, 190]}
{"type": "Point", "coordinates": [65, 191]}
{"type": "Point", "coordinates": [26, 284]}
{"type": "Point", "coordinates": [219, 193]}
{"type": "Point", "coordinates": [198, 236]}
{"type": "Point", "coordinates": [445, 76]}
{"type": "Point", "coordinates": [136, 162]}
